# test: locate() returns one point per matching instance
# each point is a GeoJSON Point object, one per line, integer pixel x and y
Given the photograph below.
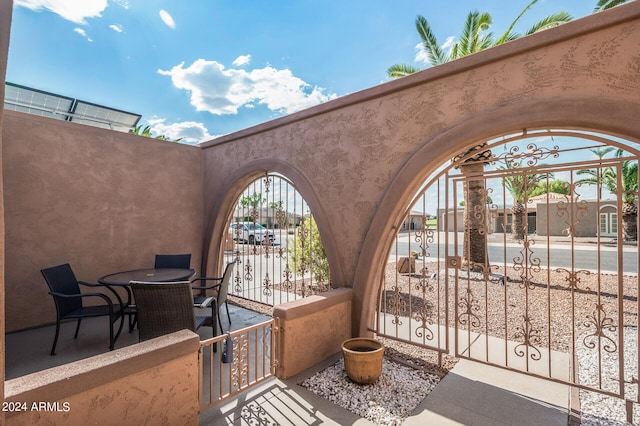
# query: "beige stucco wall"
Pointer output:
{"type": "Point", "coordinates": [152, 383]}
{"type": "Point", "coordinates": [101, 200]}
{"type": "Point", "coordinates": [311, 330]}
{"type": "Point", "coordinates": [359, 159]}
{"type": "Point", "coordinates": [555, 216]}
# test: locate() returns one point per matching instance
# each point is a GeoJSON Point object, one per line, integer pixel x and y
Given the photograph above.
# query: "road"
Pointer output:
{"type": "Point", "coordinates": [556, 256]}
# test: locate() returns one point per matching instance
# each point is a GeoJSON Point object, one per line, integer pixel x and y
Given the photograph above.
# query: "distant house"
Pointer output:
{"type": "Point", "coordinates": [267, 216]}
{"type": "Point", "coordinates": [415, 220]}
{"type": "Point", "coordinates": [547, 214]}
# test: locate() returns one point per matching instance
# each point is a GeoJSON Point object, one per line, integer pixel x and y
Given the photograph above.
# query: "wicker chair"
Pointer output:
{"type": "Point", "coordinates": [65, 289]}
{"type": "Point", "coordinates": [173, 261]}
{"type": "Point", "coordinates": [221, 289]}
{"type": "Point", "coordinates": [162, 261]}
{"type": "Point", "coordinates": [163, 308]}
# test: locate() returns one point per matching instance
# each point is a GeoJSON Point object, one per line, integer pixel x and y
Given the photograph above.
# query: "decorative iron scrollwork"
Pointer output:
{"type": "Point", "coordinates": [240, 366]}
{"type": "Point", "coordinates": [266, 284]}
{"type": "Point", "coordinates": [530, 157]}
{"type": "Point", "coordinates": [398, 305]}
{"type": "Point", "coordinates": [531, 338]}
{"type": "Point", "coordinates": [469, 304]}
{"type": "Point", "coordinates": [600, 323]}
{"type": "Point", "coordinates": [573, 278]}
{"type": "Point", "coordinates": [526, 263]}
{"type": "Point", "coordinates": [424, 237]}
{"type": "Point", "coordinates": [572, 211]}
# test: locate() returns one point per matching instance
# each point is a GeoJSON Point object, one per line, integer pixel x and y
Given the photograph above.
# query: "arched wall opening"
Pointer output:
{"type": "Point", "coordinates": [270, 230]}
{"type": "Point", "coordinates": [503, 249]}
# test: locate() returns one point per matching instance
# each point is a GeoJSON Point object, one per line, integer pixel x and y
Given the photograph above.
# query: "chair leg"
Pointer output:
{"type": "Point", "coordinates": [55, 339]}
{"type": "Point", "coordinates": [133, 320]}
{"type": "Point", "coordinates": [119, 328]}
{"type": "Point", "coordinates": [75, 336]}
{"type": "Point", "coordinates": [228, 316]}
{"type": "Point", "coordinates": [220, 321]}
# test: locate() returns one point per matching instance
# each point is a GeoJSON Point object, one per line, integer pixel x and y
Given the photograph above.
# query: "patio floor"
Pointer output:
{"type": "Point", "coordinates": [471, 394]}
{"type": "Point", "coordinates": [28, 351]}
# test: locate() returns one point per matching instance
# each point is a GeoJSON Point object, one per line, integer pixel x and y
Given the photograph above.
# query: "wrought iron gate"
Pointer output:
{"type": "Point", "coordinates": [504, 259]}
{"type": "Point", "coordinates": [273, 237]}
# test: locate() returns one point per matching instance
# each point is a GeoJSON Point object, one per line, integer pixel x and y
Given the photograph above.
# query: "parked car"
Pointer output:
{"type": "Point", "coordinates": [250, 232]}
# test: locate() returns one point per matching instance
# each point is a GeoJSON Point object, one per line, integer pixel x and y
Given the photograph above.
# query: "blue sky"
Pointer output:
{"type": "Point", "coordinates": [198, 69]}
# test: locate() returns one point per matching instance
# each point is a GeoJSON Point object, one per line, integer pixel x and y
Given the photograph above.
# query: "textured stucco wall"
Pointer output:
{"type": "Point", "coordinates": [359, 159]}
{"type": "Point", "coordinates": [311, 330]}
{"type": "Point", "coordinates": [153, 383]}
{"type": "Point", "coordinates": [101, 200]}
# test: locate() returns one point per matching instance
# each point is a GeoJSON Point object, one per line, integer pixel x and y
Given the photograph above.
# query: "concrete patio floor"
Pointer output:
{"type": "Point", "coordinates": [471, 394]}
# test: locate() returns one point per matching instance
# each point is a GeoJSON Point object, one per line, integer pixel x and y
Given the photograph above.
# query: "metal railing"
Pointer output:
{"type": "Point", "coordinates": [252, 361]}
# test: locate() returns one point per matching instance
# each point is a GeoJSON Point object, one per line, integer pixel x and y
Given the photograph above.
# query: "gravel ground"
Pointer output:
{"type": "Point", "coordinates": [387, 402]}
{"type": "Point", "coordinates": [577, 318]}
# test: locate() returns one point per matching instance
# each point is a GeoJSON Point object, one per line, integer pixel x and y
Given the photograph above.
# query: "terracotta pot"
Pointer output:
{"type": "Point", "coordinates": [363, 359]}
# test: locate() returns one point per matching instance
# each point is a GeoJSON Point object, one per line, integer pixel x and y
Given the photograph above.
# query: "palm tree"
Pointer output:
{"type": "Point", "coordinates": [146, 132]}
{"type": "Point", "coordinates": [520, 185]}
{"type": "Point", "coordinates": [608, 177]}
{"type": "Point", "coordinates": [473, 39]}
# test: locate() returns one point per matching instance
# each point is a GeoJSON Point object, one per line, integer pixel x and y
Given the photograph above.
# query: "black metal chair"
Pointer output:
{"type": "Point", "coordinates": [221, 290]}
{"type": "Point", "coordinates": [173, 261]}
{"type": "Point", "coordinates": [65, 289]}
{"type": "Point", "coordinates": [164, 308]}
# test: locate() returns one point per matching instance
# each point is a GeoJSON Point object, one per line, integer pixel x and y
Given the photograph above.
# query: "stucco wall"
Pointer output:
{"type": "Point", "coordinates": [152, 383]}
{"type": "Point", "coordinates": [104, 201]}
{"type": "Point", "coordinates": [359, 159]}
{"type": "Point", "coordinates": [311, 330]}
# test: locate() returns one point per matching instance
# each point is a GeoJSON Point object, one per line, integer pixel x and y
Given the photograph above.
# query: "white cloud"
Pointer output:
{"type": "Point", "coordinates": [72, 10]}
{"type": "Point", "coordinates": [167, 19]}
{"type": "Point", "coordinates": [117, 28]}
{"type": "Point", "coordinates": [189, 132]}
{"type": "Point", "coordinates": [242, 60]}
{"type": "Point", "coordinates": [222, 91]}
{"type": "Point", "coordinates": [83, 33]}
{"type": "Point", "coordinates": [448, 43]}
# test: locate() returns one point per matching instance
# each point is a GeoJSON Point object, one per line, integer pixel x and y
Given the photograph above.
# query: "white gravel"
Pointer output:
{"type": "Point", "coordinates": [598, 409]}
{"type": "Point", "coordinates": [387, 402]}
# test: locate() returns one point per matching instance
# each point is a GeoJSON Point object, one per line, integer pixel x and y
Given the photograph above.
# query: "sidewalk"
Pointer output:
{"type": "Point", "coordinates": [470, 394]}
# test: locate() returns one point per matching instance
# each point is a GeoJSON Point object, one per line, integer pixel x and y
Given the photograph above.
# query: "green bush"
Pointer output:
{"type": "Point", "coordinates": [307, 251]}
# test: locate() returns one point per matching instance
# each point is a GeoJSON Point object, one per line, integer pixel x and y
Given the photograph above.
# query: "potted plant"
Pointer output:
{"type": "Point", "coordinates": [363, 359]}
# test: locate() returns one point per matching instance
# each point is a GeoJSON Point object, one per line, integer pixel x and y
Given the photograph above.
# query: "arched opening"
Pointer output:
{"type": "Point", "coordinates": [507, 263]}
{"type": "Point", "coordinates": [272, 235]}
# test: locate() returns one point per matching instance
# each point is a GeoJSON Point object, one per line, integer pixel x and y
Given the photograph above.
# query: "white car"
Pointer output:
{"type": "Point", "coordinates": [252, 233]}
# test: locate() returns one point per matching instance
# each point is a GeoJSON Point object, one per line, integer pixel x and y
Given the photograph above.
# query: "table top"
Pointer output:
{"type": "Point", "coordinates": [148, 275]}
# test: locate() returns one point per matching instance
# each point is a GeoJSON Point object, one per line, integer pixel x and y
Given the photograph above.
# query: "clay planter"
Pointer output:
{"type": "Point", "coordinates": [363, 359]}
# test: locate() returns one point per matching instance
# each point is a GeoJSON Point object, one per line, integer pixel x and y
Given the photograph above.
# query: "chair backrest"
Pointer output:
{"type": "Point", "coordinates": [163, 308]}
{"type": "Point", "coordinates": [173, 261]}
{"type": "Point", "coordinates": [224, 285]}
{"type": "Point", "coordinates": [61, 279]}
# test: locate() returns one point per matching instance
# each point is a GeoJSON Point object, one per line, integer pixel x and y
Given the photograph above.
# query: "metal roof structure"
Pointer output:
{"type": "Point", "coordinates": [46, 104]}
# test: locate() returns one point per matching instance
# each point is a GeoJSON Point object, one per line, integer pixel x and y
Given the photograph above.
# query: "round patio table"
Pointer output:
{"type": "Point", "coordinates": [123, 279]}
{"type": "Point", "coordinates": [149, 275]}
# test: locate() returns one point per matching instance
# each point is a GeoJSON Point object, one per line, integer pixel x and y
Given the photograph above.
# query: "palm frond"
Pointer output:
{"type": "Point", "coordinates": [508, 35]}
{"type": "Point", "coordinates": [435, 54]}
{"type": "Point", "coordinates": [607, 4]}
{"type": "Point", "coordinates": [401, 70]}
{"type": "Point", "coordinates": [550, 22]}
